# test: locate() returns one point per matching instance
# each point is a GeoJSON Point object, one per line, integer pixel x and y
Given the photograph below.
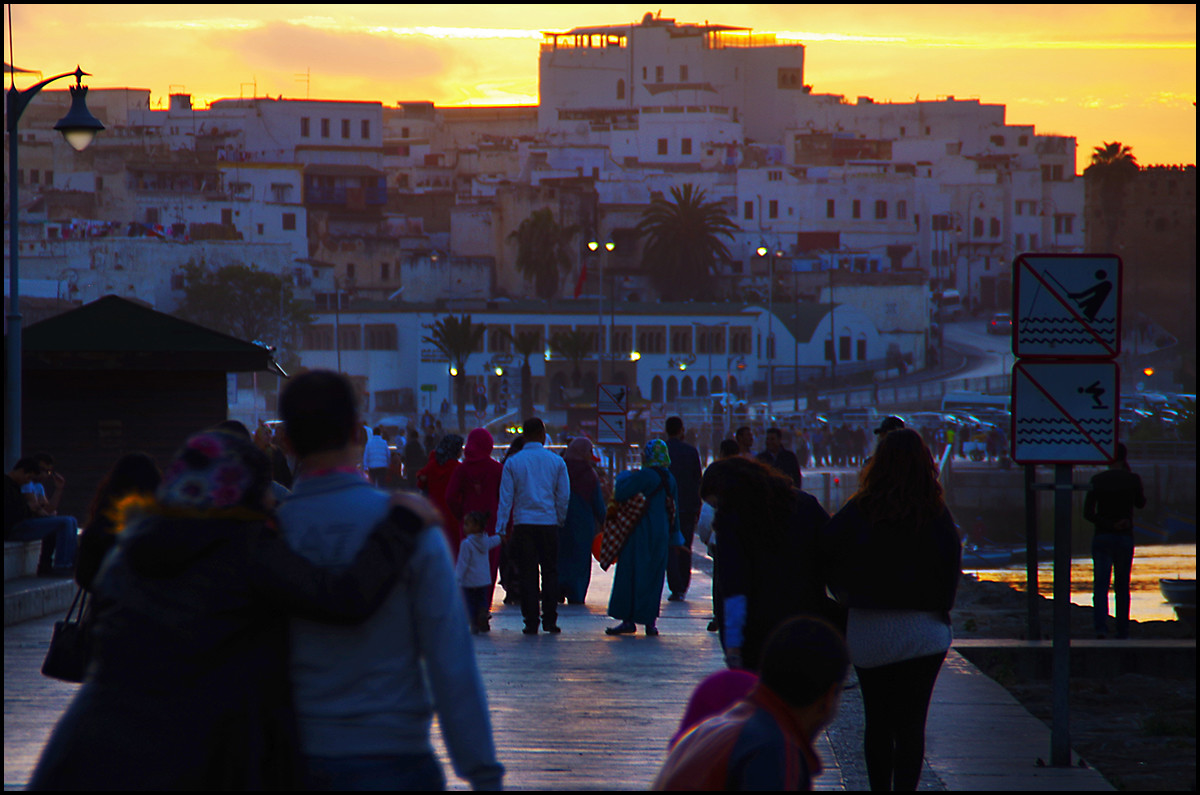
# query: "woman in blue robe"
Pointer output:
{"type": "Point", "coordinates": [642, 565]}
{"type": "Point", "coordinates": [585, 513]}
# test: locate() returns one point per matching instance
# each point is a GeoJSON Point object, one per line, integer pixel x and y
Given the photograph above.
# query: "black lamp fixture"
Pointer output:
{"type": "Point", "coordinates": [79, 126]}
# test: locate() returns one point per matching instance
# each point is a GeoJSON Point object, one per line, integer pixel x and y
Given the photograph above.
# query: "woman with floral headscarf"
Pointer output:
{"type": "Point", "coordinates": [434, 479]}
{"type": "Point", "coordinates": [585, 512]}
{"type": "Point", "coordinates": [188, 684]}
{"type": "Point", "coordinates": [642, 564]}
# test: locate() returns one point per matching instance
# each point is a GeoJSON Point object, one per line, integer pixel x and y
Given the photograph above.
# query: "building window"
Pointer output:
{"type": "Point", "coordinates": [349, 338]}
{"type": "Point", "coordinates": [366, 129]}
{"type": "Point", "coordinates": [994, 227]}
{"type": "Point", "coordinates": [227, 217]}
{"type": "Point", "coordinates": [324, 128]}
{"type": "Point", "coordinates": [620, 89]}
{"type": "Point", "coordinates": [289, 222]}
{"type": "Point", "coordinates": [350, 271]}
{"type": "Point", "coordinates": [385, 271]}
{"type": "Point", "coordinates": [773, 209]}
{"type": "Point", "coordinates": [902, 210]}
{"type": "Point", "coordinates": [829, 205]}
{"type": "Point", "coordinates": [844, 348]}
{"type": "Point", "coordinates": [856, 209]}
{"type": "Point", "coordinates": [345, 128]}
{"type": "Point", "coordinates": [880, 210]}
{"type": "Point", "coordinates": [318, 337]}
{"type": "Point", "coordinates": [683, 73]}
{"type": "Point", "coordinates": [662, 146]}
{"type": "Point", "coordinates": [658, 74]}
{"type": "Point", "coordinates": [381, 337]}
{"type": "Point", "coordinates": [861, 352]}
{"type": "Point", "coordinates": [748, 211]}
{"type": "Point", "coordinates": [685, 146]}
{"type": "Point", "coordinates": [303, 126]}
{"type": "Point", "coordinates": [828, 350]}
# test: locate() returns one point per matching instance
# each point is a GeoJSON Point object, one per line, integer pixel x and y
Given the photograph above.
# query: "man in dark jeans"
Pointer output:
{"type": "Point", "coordinates": [29, 516]}
{"type": "Point", "coordinates": [1109, 506]}
{"type": "Point", "coordinates": [537, 490]}
{"type": "Point", "coordinates": [685, 466]}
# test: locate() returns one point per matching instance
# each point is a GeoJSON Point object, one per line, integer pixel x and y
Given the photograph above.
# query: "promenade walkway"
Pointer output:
{"type": "Point", "coordinates": [584, 711]}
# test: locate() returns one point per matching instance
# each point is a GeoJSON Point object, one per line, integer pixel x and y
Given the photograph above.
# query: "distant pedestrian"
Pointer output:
{"type": "Point", "coordinates": [893, 557]}
{"type": "Point", "coordinates": [745, 439]}
{"type": "Point", "coordinates": [585, 514]}
{"type": "Point", "coordinates": [473, 569]}
{"type": "Point", "coordinates": [475, 486]}
{"type": "Point", "coordinates": [414, 457]}
{"type": "Point", "coordinates": [780, 458]}
{"type": "Point", "coordinates": [434, 479]}
{"type": "Point", "coordinates": [1109, 507]}
{"type": "Point", "coordinates": [802, 448]}
{"type": "Point", "coordinates": [685, 468]}
{"type": "Point", "coordinates": [536, 488]}
{"type": "Point", "coordinates": [765, 740]}
{"type": "Point", "coordinates": [375, 458]}
{"type": "Point", "coordinates": [637, 588]}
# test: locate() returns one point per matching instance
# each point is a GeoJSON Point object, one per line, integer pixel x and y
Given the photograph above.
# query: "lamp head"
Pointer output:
{"type": "Point", "coordinates": [79, 126]}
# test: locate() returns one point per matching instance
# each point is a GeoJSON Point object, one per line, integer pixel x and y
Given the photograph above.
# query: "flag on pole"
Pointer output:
{"type": "Point", "coordinates": [580, 281]}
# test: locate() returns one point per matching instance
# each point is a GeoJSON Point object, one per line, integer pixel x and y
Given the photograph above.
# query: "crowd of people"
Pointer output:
{"type": "Point", "coordinates": [310, 624]}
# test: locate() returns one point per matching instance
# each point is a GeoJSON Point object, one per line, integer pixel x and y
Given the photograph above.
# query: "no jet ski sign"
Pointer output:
{"type": "Point", "coordinates": [1067, 306]}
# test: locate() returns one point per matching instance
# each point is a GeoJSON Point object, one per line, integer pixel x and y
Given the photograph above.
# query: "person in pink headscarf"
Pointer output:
{"type": "Point", "coordinates": [475, 486]}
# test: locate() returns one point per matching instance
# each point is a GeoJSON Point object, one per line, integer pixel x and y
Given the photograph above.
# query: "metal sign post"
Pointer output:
{"type": "Point", "coordinates": [1066, 334]}
{"type": "Point", "coordinates": [612, 413]}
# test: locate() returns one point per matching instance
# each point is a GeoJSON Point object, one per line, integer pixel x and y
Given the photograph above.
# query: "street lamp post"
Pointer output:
{"type": "Point", "coordinates": [594, 246]}
{"type": "Point", "coordinates": [78, 127]}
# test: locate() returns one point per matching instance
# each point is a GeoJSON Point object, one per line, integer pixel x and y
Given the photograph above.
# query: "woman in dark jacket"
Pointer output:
{"type": "Point", "coordinates": [767, 534]}
{"type": "Point", "coordinates": [893, 558]}
{"type": "Point", "coordinates": [134, 474]}
{"type": "Point", "coordinates": [188, 685]}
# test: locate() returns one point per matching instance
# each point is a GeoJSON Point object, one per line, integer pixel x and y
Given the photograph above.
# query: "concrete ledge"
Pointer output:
{"type": "Point", "coordinates": [1033, 660]}
{"type": "Point", "coordinates": [34, 597]}
{"type": "Point", "coordinates": [20, 558]}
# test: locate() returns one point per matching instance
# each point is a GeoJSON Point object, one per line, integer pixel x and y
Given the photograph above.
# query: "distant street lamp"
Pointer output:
{"type": "Point", "coordinates": [78, 127]}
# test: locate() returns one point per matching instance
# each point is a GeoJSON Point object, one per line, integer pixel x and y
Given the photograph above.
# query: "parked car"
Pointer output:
{"type": "Point", "coordinates": [1001, 323]}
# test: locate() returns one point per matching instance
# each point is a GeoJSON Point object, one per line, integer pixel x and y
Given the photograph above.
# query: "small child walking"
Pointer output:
{"type": "Point", "coordinates": [473, 572]}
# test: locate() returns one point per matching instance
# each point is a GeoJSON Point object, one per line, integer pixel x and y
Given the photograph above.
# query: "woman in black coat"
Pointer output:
{"type": "Point", "coordinates": [893, 557]}
{"type": "Point", "coordinates": [188, 685]}
{"type": "Point", "coordinates": [767, 534]}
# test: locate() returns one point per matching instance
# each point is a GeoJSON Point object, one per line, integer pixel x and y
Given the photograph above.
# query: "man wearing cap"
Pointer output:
{"type": "Point", "coordinates": [888, 425]}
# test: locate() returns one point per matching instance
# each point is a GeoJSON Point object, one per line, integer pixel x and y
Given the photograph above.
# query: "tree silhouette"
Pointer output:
{"type": "Point", "coordinates": [542, 246]}
{"type": "Point", "coordinates": [683, 242]}
{"type": "Point", "coordinates": [457, 338]}
{"type": "Point", "coordinates": [526, 344]}
{"type": "Point", "coordinates": [1113, 168]}
{"type": "Point", "coordinates": [242, 301]}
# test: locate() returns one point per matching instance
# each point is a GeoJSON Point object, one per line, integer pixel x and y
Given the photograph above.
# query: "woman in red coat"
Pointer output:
{"type": "Point", "coordinates": [475, 486]}
{"type": "Point", "coordinates": [433, 479]}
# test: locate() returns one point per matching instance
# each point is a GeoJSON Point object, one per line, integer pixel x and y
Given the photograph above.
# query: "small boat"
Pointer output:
{"type": "Point", "coordinates": [977, 557]}
{"type": "Point", "coordinates": [1178, 591]}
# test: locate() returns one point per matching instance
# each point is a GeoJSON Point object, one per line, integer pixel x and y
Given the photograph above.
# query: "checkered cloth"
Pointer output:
{"type": "Point", "coordinates": [618, 524]}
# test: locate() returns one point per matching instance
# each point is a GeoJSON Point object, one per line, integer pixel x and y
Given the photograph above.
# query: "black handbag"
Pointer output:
{"type": "Point", "coordinates": [71, 643]}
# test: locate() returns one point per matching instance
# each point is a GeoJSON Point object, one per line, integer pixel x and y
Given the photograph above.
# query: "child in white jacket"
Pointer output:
{"type": "Point", "coordinates": [473, 572]}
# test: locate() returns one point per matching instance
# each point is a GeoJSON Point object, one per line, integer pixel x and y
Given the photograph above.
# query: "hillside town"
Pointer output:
{"type": "Point", "coordinates": [857, 226]}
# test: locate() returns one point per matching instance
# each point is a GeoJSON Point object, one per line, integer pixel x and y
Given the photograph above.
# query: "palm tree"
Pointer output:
{"type": "Point", "coordinates": [526, 344]}
{"type": "Point", "coordinates": [1113, 167]}
{"type": "Point", "coordinates": [542, 247]}
{"type": "Point", "coordinates": [576, 345]}
{"type": "Point", "coordinates": [683, 242]}
{"type": "Point", "coordinates": [457, 338]}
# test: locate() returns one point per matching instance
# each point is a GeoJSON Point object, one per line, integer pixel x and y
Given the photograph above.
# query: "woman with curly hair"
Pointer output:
{"type": "Point", "coordinates": [893, 558]}
{"type": "Point", "coordinates": [766, 571]}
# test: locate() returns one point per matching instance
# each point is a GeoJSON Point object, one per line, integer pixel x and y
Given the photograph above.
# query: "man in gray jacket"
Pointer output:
{"type": "Point", "coordinates": [364, 700]}
{"type": "Point", "coordinates": [535, 488]}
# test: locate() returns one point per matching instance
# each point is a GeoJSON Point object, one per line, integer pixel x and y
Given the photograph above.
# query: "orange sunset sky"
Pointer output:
{"type": "Point", "coordinates": [1097, 72]}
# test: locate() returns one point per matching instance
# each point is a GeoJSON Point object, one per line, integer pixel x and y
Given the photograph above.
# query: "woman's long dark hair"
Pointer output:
{"type": "Point", "coordinates": [899, 485]}
{"type": "Point", "coordinates": [761, 498]}
{"type": "Point", "coordinates": [133, 473]}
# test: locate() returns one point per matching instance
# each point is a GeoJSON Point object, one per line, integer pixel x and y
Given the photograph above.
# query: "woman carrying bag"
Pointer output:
{"type": "Point", "coordinates": [642, 565]}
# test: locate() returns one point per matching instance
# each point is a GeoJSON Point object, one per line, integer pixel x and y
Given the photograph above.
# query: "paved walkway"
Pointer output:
{"type": "Point", "coordinates": [584, 711]}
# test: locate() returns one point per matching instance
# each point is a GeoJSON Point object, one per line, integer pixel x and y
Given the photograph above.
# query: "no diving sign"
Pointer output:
{"type": "Point", "coordinates": [1067, 306]}
{"type": "Point", "coordinates": [1064, 412]}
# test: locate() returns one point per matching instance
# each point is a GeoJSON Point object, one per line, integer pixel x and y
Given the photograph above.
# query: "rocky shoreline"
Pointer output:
{"type": "Point", "coordinates": [1138, 731]}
